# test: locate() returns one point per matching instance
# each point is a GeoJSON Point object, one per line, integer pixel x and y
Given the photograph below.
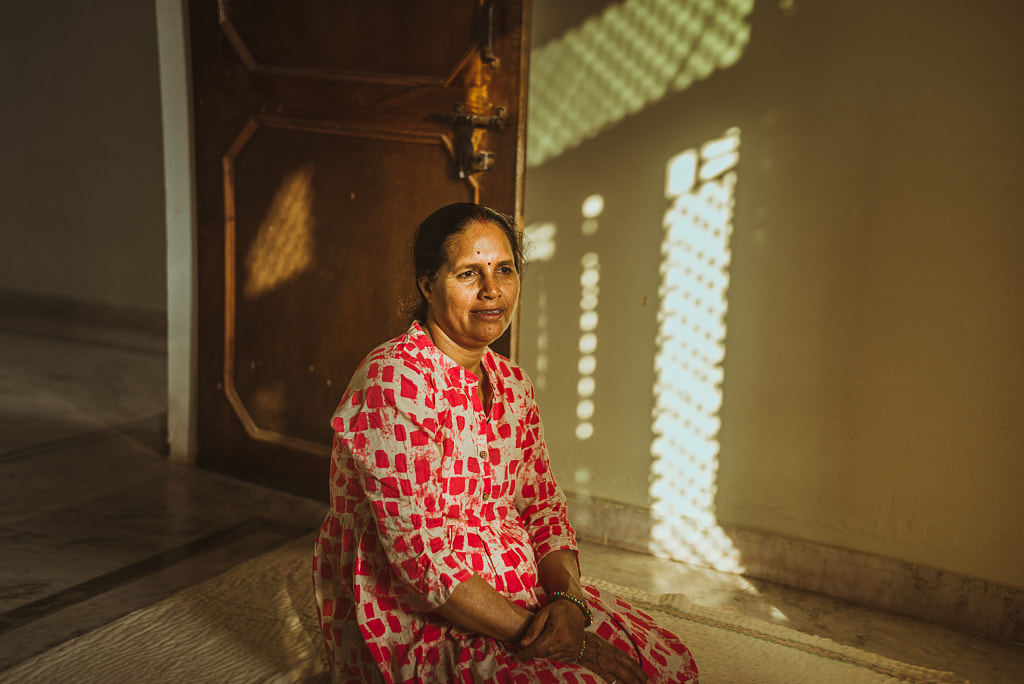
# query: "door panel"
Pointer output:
{"type": "Point", "coordinates": [271, 35]}
{"type": "Point", "coordinates": [293, 228]}
{"type": "Point", "coordinates": [316, 159]}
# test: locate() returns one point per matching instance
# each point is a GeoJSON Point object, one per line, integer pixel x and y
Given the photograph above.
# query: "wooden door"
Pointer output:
{"type": "Point", "coordinates": [324, 133]}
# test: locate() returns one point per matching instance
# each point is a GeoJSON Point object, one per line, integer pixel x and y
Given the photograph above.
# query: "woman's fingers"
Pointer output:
{"type": "Point", "coordinates": [612, 664]}
{"type": "Point", "coordinates": [535, 629]}
{"type": "Point", "coordinates": [534, 643]}
{"type": "Point", "coordinates": [554, 633]}
{"type": "Point", "coordinates": [551, 645]}
{"type": "Point", "coordinates": [628, 672]}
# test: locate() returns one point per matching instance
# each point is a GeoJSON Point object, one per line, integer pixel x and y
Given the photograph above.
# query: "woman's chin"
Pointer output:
{"type": "Point", "coordinates": [477, 332]}
{"type": "Point", "coordinates": [492, 336]}
{"type": "Point", "coordinates": [487, 331]}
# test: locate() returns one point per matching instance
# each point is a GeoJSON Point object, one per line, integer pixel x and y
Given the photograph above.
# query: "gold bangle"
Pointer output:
{"type": "Point", "coordinates": [583, 649]}
{"type": "Point", "coordinates": [580, 603]}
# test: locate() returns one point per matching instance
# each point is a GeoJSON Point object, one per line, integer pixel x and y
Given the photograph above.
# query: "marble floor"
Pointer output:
{"type": "Point", "coordinates": [96, 523]}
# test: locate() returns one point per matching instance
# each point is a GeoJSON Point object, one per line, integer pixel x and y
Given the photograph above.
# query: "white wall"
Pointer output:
{"type": "Point", "coordinates": [179, 184]}
{"type": "Point", "coordinates": [873, 386]}
{"type": "Point", "coordinates": [81, 179]}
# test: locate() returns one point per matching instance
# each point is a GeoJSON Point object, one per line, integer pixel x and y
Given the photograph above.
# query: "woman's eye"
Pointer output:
{"type": "Point", "coordinates": [467, 274]}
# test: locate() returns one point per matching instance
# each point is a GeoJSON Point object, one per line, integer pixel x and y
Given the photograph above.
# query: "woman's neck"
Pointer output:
{"type": "Point", "coordinates": [469, 359]}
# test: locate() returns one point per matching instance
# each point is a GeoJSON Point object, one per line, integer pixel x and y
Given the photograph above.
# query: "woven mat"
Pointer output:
{"type": "Point", "coordinates": [257, 623]}
{"type": "Point", "coordinates": [731, 647]}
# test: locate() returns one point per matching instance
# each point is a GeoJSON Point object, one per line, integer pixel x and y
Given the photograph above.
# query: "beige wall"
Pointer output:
{"type": "Point", "coordinates": [81, 181]}
{"type": "Point", "coordinates": [873, 394]}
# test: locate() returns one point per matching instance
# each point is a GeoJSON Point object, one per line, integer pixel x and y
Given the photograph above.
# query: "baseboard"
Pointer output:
{"type": "Point", "coordinates": [84, 321]}
{"type": "Point", "coordinates": [895, 586]}
{"type": "Point", "coordinates": [30, 303]}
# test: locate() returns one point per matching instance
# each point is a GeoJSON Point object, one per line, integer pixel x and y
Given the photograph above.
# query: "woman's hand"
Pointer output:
{"type": "Point", "coordinates": [602, 658]}
{"type": "Point", "coordinates": [556, 632]}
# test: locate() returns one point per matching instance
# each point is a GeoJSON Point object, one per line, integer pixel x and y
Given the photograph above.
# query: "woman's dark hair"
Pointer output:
{"type": "Point", "coordinates": [430, 244]}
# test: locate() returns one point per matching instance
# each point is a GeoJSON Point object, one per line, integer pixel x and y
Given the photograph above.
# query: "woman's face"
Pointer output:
{"type": "Point", "coordinates": [474, 295]}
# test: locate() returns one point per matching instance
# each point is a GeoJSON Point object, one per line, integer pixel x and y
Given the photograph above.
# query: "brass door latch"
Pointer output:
{"type": "Point", "coordinates": [467, 159]}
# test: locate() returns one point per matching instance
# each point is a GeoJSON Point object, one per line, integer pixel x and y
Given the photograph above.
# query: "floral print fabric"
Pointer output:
{"type": "Point", "coordinates": [428, 489]}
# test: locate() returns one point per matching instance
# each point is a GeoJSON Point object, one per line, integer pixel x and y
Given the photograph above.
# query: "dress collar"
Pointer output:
{"type": "Point", "coordinates": [453, 370]}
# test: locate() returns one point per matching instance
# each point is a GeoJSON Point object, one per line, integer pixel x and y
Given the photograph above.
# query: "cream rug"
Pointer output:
{"type": "Point", "coordinates": [731, 647]}
{"type": "Point", "coordinates": [257, 623]}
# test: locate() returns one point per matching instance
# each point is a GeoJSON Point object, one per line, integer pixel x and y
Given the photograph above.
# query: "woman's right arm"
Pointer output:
{"type": "Point", "coordinates": [476, 606]}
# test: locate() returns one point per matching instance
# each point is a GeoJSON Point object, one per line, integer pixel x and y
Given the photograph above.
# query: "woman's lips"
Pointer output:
{"type": "Point", "coordinates": [489, 313]}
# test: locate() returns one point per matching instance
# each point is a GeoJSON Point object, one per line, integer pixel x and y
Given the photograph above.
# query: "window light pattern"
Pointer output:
{"type": "Point", "coordinates": [540, 380]}
{"type": "Point", "coordinates": [590, 284]}
{"type": "Point", "coordinates": [629, 57]}
{"type": "Point", "coordinates": [691, 349]}
{"type": "Point", "coordinates": [590, 281]}
{"type": "Point", "coordinates": [540, 242]}
{"type": "Point", "coordinates": [283, 249]}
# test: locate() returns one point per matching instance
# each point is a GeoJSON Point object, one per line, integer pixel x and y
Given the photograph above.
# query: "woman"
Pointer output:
{"type": "Point", "coordinates": [447, 554]}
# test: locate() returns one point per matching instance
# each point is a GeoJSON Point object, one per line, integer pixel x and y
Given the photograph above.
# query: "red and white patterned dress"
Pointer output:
{"type": "Point", "coordinates": [426, 490]}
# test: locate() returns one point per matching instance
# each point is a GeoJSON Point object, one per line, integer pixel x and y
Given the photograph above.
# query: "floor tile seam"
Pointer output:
{"type": "Point", "coordinates": [152, 422]}
{"type": "Point", "coordinates": [14, 520]}
{"type": "Point", "coordinates": [109, 581]}
{"type": "Point", "coordinates": [953, 660]}
{"type": "Point", "coordinates": [40, 608]}
{"type": "Point", "coordinates": [97, 612]}
{"type": "Point", "coordinates": [84, 341]}
{"type": "Point", "coordinates": [969, 646]}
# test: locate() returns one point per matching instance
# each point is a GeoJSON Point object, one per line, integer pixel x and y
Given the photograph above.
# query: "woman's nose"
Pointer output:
{"type": "Point", "coordinates": [489, 287]}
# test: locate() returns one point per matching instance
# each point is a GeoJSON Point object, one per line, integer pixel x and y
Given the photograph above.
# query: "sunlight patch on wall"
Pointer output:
{"type": "Point", "coordinates": [283, 247]}
{"type": "Point", "coordinates": [691, 349]}
{"type": "Point", "coordinates": [540, 246]}
{"type": "Point", "coordinates": [590, 288]}
{"type": "Point", "coordinates": [540, 241]}
{"type": "Point", "coordinates": [625, 59]}
{"type": "Point", "coordinates": [586, 385]}
{"type": "Point", "coordinates": [540, 380]}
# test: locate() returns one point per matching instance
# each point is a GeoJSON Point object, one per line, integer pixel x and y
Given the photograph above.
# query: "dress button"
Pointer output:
{"type": "Point", "coordinates": [486, 496]}
{"type": "Point", "coordinates": [483, 454]}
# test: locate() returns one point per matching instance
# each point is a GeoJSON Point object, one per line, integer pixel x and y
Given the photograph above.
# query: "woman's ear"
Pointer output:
{"type": "Point", "coordinates": [424, 285]}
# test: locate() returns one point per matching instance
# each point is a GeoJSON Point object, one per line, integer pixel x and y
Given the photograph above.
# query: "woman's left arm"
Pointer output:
{"type": "Point", "coordinates": [560, 571]}
{"type": "Point", "coordinates": [556, 631]}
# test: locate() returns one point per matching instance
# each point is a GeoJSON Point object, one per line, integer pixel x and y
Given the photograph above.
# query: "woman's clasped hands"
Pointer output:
{"type": "Point", "coordinates": [557, 633]}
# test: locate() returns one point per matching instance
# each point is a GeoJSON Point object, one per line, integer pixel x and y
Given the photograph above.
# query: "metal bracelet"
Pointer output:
{"type": "Point", "coordinates": [583, 649]}
{"type": "Point", "coordinates": [580, 603]}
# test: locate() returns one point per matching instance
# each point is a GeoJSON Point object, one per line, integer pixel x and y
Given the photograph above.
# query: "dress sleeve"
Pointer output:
{"type": "Point", "coordinates": [539, 500]}
{"type": "Point", "coordinates": [388, 428]}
